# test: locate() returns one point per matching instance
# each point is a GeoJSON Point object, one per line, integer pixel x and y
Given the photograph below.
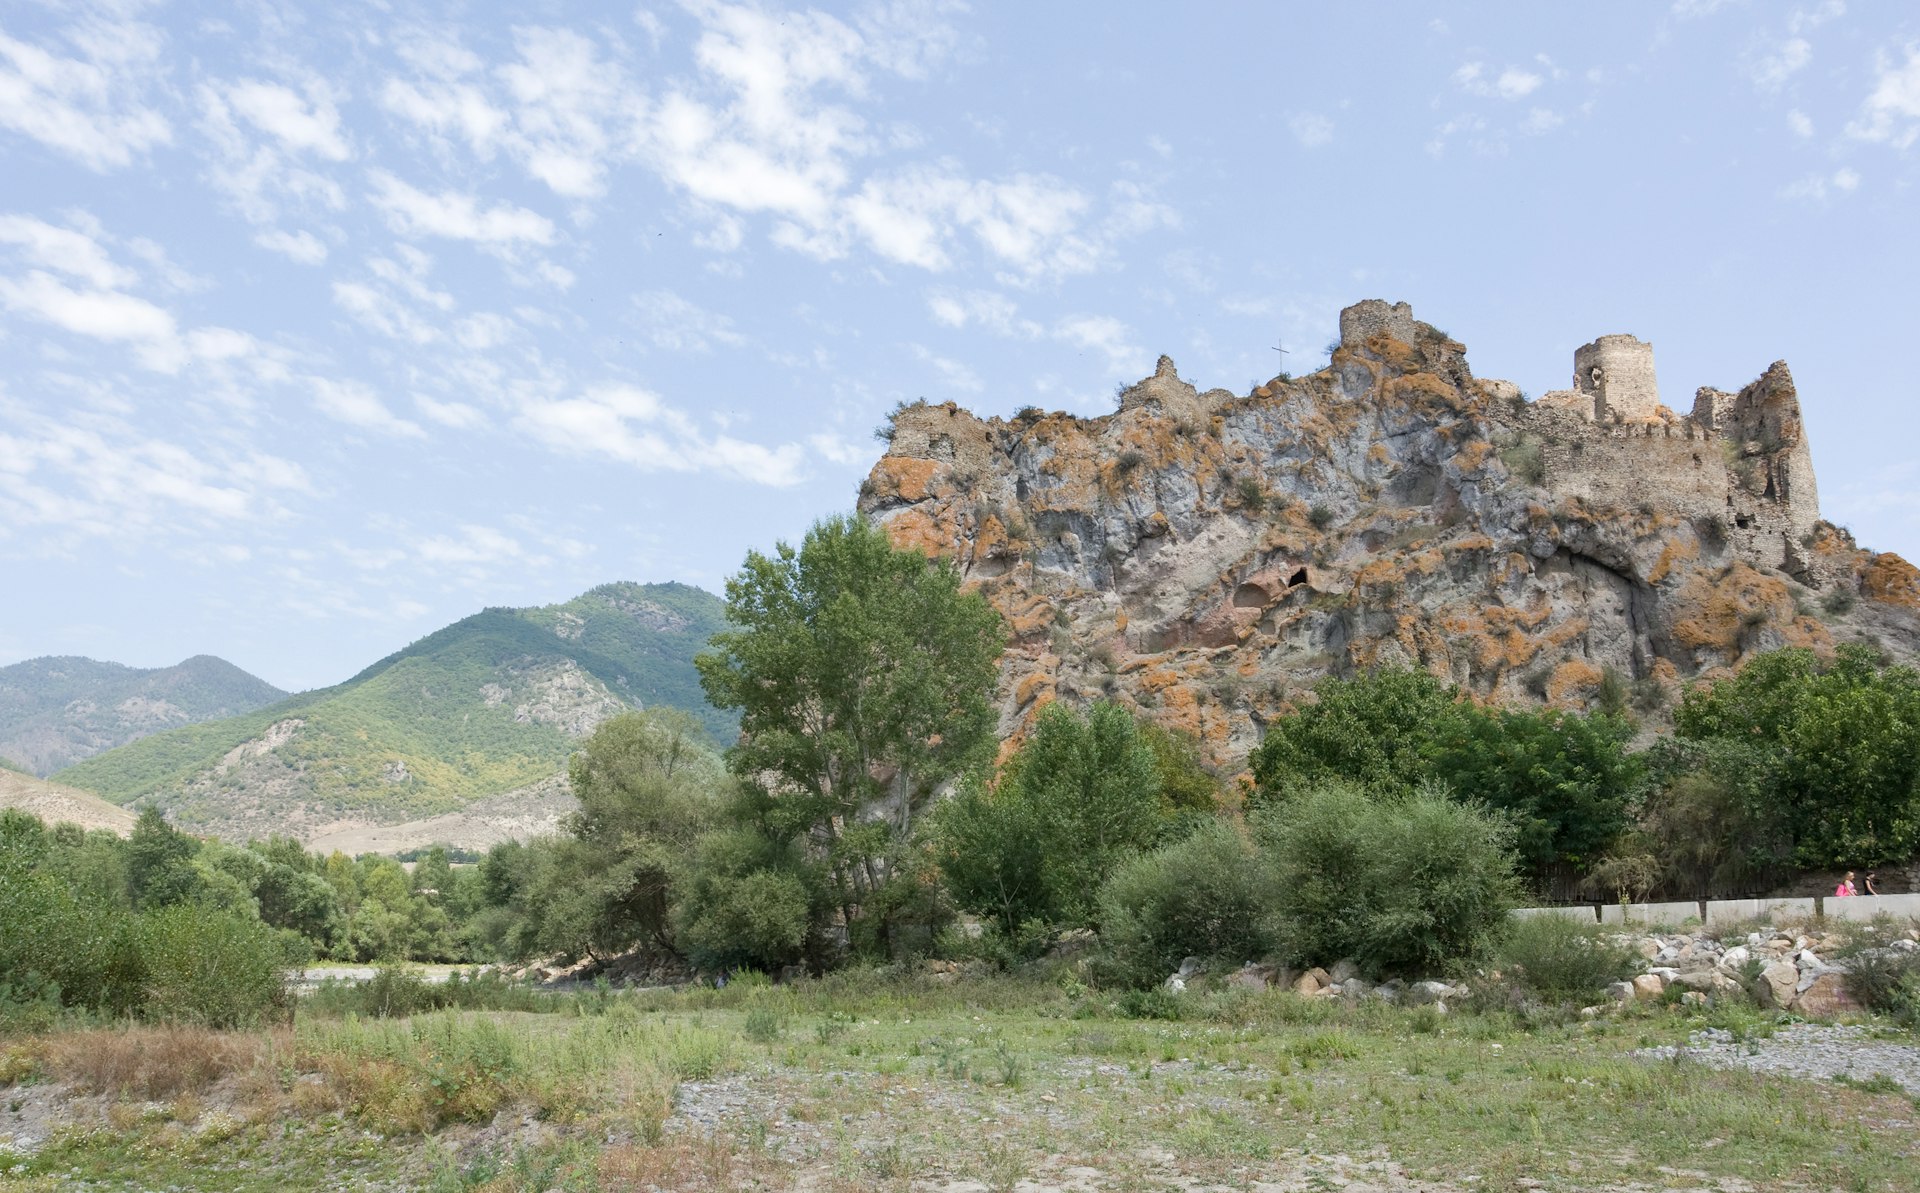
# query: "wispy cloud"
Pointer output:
{"type": "Point", "coordinates": [90, 104]}
{"type": "Point", "coordinates": [1891, 112]}
{"type": "Point", "coordinates": [669, 321]}
{"type": "Point", "coordinates": [455, 215]}
{"type": "Point", "coordinates": [1311, 129]}
{"type": "Point", "coordinates": [1513, 82]}
{"type": "Point", "coordinates": [636, 427]}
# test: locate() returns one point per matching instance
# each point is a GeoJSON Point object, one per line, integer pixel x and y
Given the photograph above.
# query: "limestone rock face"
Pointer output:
{"type": "Point", "coordinates": [1207, 556]}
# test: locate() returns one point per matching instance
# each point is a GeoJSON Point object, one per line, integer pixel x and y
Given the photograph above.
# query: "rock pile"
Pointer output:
{"type": "Point", "coordinates": [1783, 969]}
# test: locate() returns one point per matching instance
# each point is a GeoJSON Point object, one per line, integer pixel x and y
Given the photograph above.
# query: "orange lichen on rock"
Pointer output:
{"type": "Point", "coordinates": [1891, 580]}
{"type": "Point", "coordinates": [1676, 550]}
{"type": "Point", "coordinates": [910, 478]}
{"type": "Point", "coordinates": [921, 530]}
{"type": "Point", "coordinates": [1714, 612]}
{"type": "Point", "coordinates": [1030, 689]}
{"type": "Point", "coordinates": [1571, 682]}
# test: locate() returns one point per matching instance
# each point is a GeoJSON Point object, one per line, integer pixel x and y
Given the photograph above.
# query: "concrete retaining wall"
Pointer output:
{"type": "Point", "coordinates": [1668, 915]}
{"type": "Point", "coordinates": [1726, 911]}
{"type": "Point", "coordinates": [1865, 907]}
{"type": "Point", "coordinates": [1578, 912]}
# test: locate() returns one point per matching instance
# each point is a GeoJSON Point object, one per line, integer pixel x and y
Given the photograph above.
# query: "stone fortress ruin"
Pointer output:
{"type": "Point", "coordinates": [1206, 556]}
{"type": "Point", "coordinates": [1739, 464]}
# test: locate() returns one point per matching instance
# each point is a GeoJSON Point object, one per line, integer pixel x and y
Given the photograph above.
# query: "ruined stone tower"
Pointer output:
{"type": "Point", "coordinates": [1617, 372]}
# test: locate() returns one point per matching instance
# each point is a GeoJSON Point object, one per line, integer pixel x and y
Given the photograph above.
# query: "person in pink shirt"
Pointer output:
{"type": "Point", "coordinates": [1845, 888]}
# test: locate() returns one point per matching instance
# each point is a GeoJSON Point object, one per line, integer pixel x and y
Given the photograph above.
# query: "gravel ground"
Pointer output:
{"type": "Point", "coordinates": [1812, 1050]}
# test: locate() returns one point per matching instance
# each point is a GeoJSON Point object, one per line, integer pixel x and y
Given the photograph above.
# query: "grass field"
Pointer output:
{"type": "Point", "coordinates": [865, 1081]}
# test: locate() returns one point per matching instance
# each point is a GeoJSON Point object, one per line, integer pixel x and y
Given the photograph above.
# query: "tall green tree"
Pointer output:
{"type": "Point", "coordinates": [862, 674]}
{"type": "Point", "coordinates": [1838, 743]}
{"type": "Point", "coordinates": [1565, 779]}
{"type": "Point", "coordinates": [1081, 795]}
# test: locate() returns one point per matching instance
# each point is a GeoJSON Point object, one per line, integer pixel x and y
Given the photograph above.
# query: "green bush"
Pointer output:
{"type": "Point", "coordinates": [1879, 975]}
{"type": "Point", "coordinates": [1557, 959]}
{"type": "Point", "coordinates": [1404, 882]}
{"type": "Point", "coordinates": [1081, 796]}
{"type": "Point", "coordinates": [1197, 897]}
{"type": "Point", "coordinates": [211, 969]}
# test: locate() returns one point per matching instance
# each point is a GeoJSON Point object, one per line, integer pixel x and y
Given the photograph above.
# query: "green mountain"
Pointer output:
{"type": "Point", "coordinates": [490, 705]}
{"type": "Point", "coordinates": [55, 711]}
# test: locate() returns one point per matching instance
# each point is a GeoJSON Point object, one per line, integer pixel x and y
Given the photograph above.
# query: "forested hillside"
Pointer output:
{"type": "Point", "coordinates": [489, 705]}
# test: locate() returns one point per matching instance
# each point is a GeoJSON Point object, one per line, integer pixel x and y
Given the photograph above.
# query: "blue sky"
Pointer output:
{"type": "Point", "coordinates": [324, 325]}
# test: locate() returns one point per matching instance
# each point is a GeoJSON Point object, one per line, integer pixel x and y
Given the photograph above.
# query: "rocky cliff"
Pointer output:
{"type": "Point", "coordinates": [1207, 557]}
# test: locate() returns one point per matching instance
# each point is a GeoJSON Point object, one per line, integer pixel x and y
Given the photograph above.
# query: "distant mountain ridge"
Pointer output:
{"type": "Point", "coordinates": [477, 711]}
{"type": "Point", "coordinates": [57, 710]}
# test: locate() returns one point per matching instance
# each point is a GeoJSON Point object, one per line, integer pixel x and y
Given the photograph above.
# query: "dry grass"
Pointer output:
{"type": "Point", "coordinates": [152, 1063]}
{"type": "Point", "coordinates": [687, 1162]}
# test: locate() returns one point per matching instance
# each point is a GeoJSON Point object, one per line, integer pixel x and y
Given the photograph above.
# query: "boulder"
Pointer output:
{"type": "Point", "coordinates": [1735, 957]}
{"type": "Point", "coordinates": [1694, 998]}
{"type": "Point", "coordinates": [1189, 967]}
{"type": "Point", "coordinates": [1256, 978]}
{"type": "Point", "coordinates": [1343, 971]}
{"type": "Point", "coordinates": [1825, 998]}
{"type": "Point", "coordinates": [1648, 985]}
{"type": "Point", "coordinates": [1175, 984]}
{"type": "Point", "coordinates": [1620, 991]}
{"type": "Point", "coordinates": [1422, 993]}
{"type": "Point", "coordinates": [1777, 985]}
{"type": "Point", "coordinates": [1311, 982]}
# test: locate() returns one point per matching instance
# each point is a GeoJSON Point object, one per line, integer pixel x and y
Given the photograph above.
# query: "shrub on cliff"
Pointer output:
{"type": "Point", "coordinates": [1405, 881]}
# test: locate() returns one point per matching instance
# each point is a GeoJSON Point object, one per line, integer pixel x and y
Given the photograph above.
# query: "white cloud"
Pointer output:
{"type": "Point", "coordinates": [457, 415]}
{"type": "Point", "coordinates": [353, 403]}
{"type": "Point", "coordinates": [475, 545]}
{"type": "Point", "coordinates": [98, 476]}
{"type": "Point", "coordinates": [1799, 123]}
{"type": "Point", "coordinates": [671, 322]}
{"type": "Point", "coordinates": [1819, 187]}
{"type": "Point", "coordinates": [1891, 114]}
{"type": "Point", "coordinates": [1770, 70]}
{"type": "Point", "coordinates": [1540, 121]}
{"type": "Point", "coordinates": [91, 107]}
{"type": "Point", "coordinates": [1804, 19]}
{"type": "Point", "coordinates": [302, 246]}
{"type": "Point", "coordinates": [837, 450]}
{"type": "Point", "coordinates": [303, 124]}
{"type": "Point", "coordinates": [482, 331]}
{"type": "Point", "coordinates": [72, 252]}
{"type": "Point", "coordinates": [564, 113]}
{"type": "Point", "coordinates": [1688, 9]}
{"type": "Point", "coordinates": [952, 373]}
{"type": "Point", "coordinates": [1310, 128]}
{"type": "Point", "coordinates": [100, 314]}
{"type": "Point", "coordinates": [1511, 83]}
{"type": "Point", "coordinates": [1105, 336]}
{"type": "Point", "coordinates": [993, 311]}
{"type": "Point", "coordinates": [375, 308]}
{"type": "Point", "coordinates": [455, 216]}
{"type": "Point", "coordinates": [635, 427]}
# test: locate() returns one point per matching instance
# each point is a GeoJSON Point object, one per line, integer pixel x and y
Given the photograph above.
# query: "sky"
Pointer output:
{"type": "Point", "coordinates": [324, 325]}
